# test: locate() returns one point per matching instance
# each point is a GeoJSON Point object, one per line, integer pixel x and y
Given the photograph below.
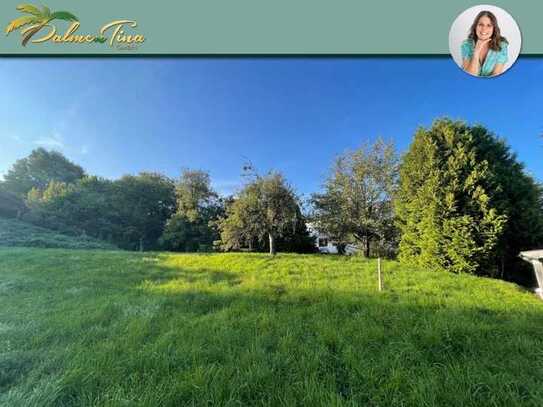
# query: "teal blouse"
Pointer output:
{"type": "Point", "coordinates": [492, 57]}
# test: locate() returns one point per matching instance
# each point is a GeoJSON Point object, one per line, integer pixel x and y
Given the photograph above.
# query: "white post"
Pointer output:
{"type": "Point", "coordinates": [379, 274]}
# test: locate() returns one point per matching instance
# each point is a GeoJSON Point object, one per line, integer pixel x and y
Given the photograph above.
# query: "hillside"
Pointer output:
{"type": "Point", "coordinates": [14, 233]}
{"type": "Point", "coordinates": [91, 328]}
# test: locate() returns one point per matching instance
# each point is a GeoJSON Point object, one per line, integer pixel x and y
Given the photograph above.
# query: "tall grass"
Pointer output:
{"type": "Point", "coordinates": [14, 233]}
{"type": "Point", "coordinates": [89, 328]}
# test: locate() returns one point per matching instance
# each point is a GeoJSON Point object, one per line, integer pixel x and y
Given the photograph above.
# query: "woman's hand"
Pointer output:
{"type": "Point", "coordinates": [480, 46]}
{"type": "Point", "coordinates": [473, 65]}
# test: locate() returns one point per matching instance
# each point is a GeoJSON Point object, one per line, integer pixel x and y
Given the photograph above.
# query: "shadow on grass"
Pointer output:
{"type": "Point", "coordinates": [198, 333]}
{"type": "Point", "coordinates": [355, 344]}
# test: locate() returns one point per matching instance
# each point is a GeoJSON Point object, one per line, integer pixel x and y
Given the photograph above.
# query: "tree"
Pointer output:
{"type": "Point", "coordinates": [38, 169]}
{"type": "Point", "coordinates": [265, 209]}
{"type": "Point", "coordinates": [239, 227]}
{"type": "Point", "coordinates": [53, 207]}
{"type": "Point", "coordinates": [328, 214]}
{"type": "Point", "coordinates": [195, 196]}
{"type": "Point", "coordinates": [143, 204]}
{"type": "Point", "coordinates": [464, 202]}
{"type": "Point", "coordinates": [85, 207]}
{"type": "Point", "coordinates": [130, 212]}
{"type": "Point", "coordinates": [11, 206]}
{"type": "Point", "coordinates": [193, 226]}
{"type": "Point", "coordinates": [357, 198]}
{"type": "Point", "coordinates": [296, 239]}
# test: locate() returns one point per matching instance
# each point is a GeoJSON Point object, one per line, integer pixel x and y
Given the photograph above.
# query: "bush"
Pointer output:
{"type": "Point", "coordinates": [14, 233]}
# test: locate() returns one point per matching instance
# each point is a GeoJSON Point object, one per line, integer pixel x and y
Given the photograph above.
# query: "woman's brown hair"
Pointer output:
{"type": "Point", "coordinates": [496, 39]}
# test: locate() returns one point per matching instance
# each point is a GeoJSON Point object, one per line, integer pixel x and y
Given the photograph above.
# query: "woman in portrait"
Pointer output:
{"type": "Point", "coordinates": [484, 53]}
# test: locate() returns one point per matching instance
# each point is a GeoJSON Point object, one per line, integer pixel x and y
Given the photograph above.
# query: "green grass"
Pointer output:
{"type": "Point", "coordinates": [14, 233]}
{"type": "Point", "coordinates": [111, 328]}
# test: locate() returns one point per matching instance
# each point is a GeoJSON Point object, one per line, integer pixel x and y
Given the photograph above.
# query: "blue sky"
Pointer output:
{"type": "Point", "coordinates": [119, 116]}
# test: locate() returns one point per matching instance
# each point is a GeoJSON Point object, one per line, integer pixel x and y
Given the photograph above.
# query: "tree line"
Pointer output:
{"type": "Point", "coordinates": [151, 211]}
{"type": "Point", "coordinates": [457, 200]}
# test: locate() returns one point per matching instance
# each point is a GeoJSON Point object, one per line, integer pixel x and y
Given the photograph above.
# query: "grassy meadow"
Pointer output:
{"type": "Point", "coordinates": [113, 328]}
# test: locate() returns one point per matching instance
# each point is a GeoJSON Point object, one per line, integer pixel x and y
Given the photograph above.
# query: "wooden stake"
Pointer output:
{"type": "Point", "coordinates": [379, 274]}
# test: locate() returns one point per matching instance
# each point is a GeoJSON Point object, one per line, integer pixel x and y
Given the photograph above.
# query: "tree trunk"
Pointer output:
{"type": "Point", "coordinates": [272, 244]}
{"type": "Point", "coordinates": [367, 248]}
{"type": "Point", "coordinates": [141, 244]}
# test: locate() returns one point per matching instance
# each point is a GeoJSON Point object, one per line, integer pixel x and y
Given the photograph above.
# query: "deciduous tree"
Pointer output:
{"type": "Point", "coordinates": [38, 169]}
{"type": "Point", "coordinates": [267, 208]}
{"type": "Point", "coordinates": [193, 226]}
{"type": "Point", "coordinates": [144, 203]}
{"type": "Point", "coordinates": [11, 206]}
{"type": "Point", "coordinates": [357, 199]}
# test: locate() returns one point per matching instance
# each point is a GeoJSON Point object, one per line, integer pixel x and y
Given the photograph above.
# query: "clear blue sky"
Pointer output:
{"type": "Point", "coordinates": [119, 116]}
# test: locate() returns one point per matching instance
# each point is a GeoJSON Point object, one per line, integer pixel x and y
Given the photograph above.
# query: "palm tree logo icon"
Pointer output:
{"type": "Point", "coordinates": [36, 19]}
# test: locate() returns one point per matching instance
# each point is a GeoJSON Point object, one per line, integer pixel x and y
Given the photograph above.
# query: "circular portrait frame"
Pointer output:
{"type": "Point", "coordinates": [493, 55]}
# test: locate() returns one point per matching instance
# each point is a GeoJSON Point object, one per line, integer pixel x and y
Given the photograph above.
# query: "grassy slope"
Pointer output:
{"type": "Point", "coordinates": [20, 234]}
{"type": "Point", "coordinates": [116, 328]}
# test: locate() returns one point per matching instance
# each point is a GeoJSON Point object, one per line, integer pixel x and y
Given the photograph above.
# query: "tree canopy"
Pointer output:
{"type": "Point", "coordinates": [144, 203]}
{"type": "Point", "coordinates": [193, 226]}
{"type": "Point", "coordinates": [11, 205]}
{"type": "Point", "coordinates": [460, 201]}
{"type": "Point", "coordinates": [129, 212]}
{"type": "Point", "coordinates": [38, 169]}
{"type": "Point", "coordinates": [464, 203]}
{"type": "Point", "coordinates": [267, 208]}
{"type": "Point", "coordinates": [357, 198]}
